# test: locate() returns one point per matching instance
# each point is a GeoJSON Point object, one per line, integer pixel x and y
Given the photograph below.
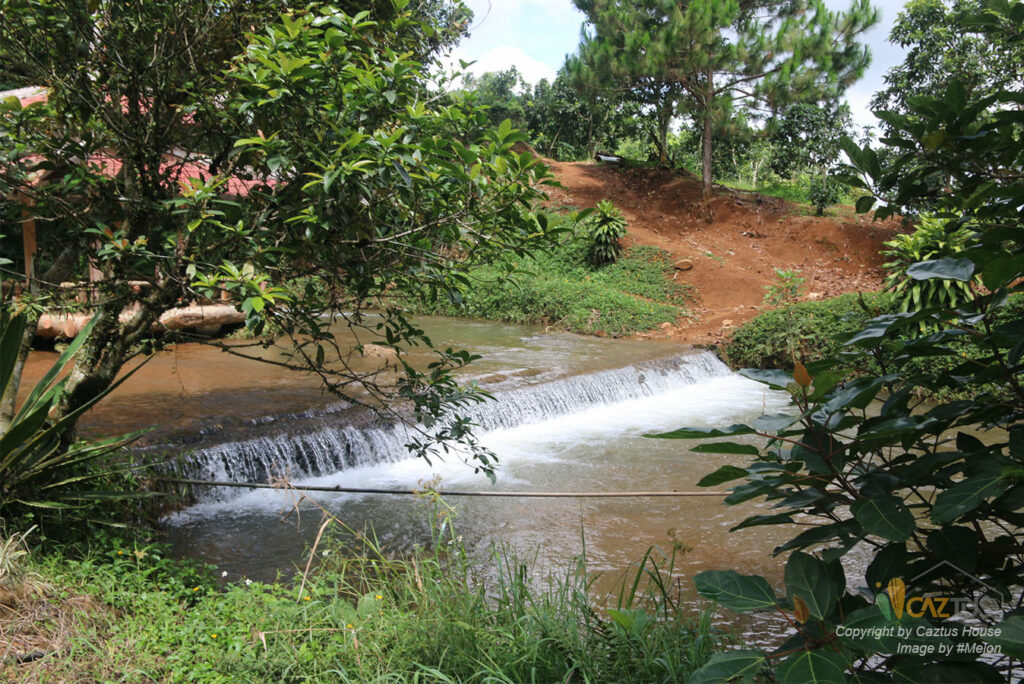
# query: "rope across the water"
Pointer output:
{"type": "Point", "coordinates": [370, 490]}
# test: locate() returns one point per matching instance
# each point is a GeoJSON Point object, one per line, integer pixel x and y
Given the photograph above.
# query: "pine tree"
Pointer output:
{"type": "Point", "coordinates": [764, 54]}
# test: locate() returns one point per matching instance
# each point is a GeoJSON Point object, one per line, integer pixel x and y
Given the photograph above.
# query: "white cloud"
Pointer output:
{"type": "Point", "coordinates": [503, 57]}
{"type": "Point", "coordinates": [500, 58]}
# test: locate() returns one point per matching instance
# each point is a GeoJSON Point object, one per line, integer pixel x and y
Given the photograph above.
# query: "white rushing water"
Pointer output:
{"type": "Point", "coordinates": [530, 429]}
{"type": "Point", "coordinates": [532, 421]}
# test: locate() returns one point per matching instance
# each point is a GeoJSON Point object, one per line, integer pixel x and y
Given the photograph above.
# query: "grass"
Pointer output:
{"type": "Point", "coordinates": [813, 331]}
{"type": "Point", "coordinates": [560, 288]}
{"type": "Point", "coordinates": [355, 616]}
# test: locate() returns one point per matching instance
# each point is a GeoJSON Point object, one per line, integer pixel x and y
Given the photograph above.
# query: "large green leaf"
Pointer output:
{"type": "Point", "coordinates": [776, 379]}
{"type": "Point", "coordinates": [821, 666]}
{"type": "Point", "coordinates": [967, 495]}
{"type": "Point", "coordinates": [727, 666]}
{"type": "Point", "coordinates": [945, 269]}
{"type": "Point", "coordinates": [726, 448]}
{"type": "Point", "coordinates": [10, 344]}
{"type": "Point", "coordinates": [1010, 636]}
{"type": "Point", "coordinates": [885, 517]}
{"type": "Point", "coordinates": [703, 433]}
{"type": "Point", "coordinates": [726, 473]}
{"type": "Point", "coordinates": [739, 593]}
{"type": "Point", "coordinates": [757, 520]}
{"type": "Point", "coordinates": [888, 563]}
{"type": "Point", "coordinates": [810, 579]}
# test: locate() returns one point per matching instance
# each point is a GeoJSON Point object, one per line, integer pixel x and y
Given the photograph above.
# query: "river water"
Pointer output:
{"type": "Point", "coordinates": [570, 415]}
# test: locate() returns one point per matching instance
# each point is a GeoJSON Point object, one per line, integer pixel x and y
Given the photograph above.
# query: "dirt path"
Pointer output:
{"type": "Point", "coordinates": [735, 256]}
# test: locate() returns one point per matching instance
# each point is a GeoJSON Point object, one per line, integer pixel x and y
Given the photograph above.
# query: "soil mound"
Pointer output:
{"type": "Point", "coordinates": [733, 257]}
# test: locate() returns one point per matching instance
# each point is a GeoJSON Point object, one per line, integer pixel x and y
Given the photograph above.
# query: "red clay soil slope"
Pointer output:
{"type": "Point", "coordinates": [734, 257]}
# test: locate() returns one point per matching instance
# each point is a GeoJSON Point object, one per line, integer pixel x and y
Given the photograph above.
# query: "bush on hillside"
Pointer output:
{"type": "Point", "coordinates": [807, 331]}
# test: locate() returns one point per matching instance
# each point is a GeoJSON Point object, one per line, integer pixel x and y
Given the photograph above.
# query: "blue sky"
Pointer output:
{"type": "Point", "coordinates": [535, 36]}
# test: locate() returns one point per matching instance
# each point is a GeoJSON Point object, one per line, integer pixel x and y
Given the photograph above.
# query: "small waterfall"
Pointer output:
{"type": "Point", "coordinates": [329, 447]}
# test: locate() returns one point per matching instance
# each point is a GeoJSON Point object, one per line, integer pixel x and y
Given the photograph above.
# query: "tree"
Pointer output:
{"type": "Point", "coordinates": [313, 152]}
{"type": "Point", "coordinates": [763, 53]}
{"type": "Point", "coordinates": [608, 66]}
{"type": "Point", "coordinates": [502, 93]}
{"type": "Point", "coordinates": [807, 137]}
{"type": "Point", "coordinates": [942, 46]}
{"type": "Point", "coordinates": [933, 486]}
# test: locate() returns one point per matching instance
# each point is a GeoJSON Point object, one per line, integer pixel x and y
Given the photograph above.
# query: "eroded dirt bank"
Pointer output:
{"type": "Point", "coordinates": [735, 256]}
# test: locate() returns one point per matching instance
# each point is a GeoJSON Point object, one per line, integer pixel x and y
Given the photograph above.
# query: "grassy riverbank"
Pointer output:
{"type": "Point", "coordinates": [122, 611]}
{"type": "Point", "coordinates": [560, 288]}
{"type": "Point", "coordinates": [812, 331]}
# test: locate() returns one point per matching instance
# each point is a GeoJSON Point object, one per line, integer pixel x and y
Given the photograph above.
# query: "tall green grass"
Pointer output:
{"type": "Point", "coordinates": [562, 288]}
{"type": "Point", "coordinates": [360, 616]}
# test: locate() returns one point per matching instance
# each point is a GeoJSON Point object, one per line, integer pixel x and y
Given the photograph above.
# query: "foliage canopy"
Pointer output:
{"type": "Point", "coordinates": [933, 490]}
{"type": "Point", "coordinates": [210, 164]}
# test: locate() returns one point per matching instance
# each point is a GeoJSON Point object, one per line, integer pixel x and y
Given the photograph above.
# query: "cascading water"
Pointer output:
{"type": "Point", "coordinates": [330, 445]}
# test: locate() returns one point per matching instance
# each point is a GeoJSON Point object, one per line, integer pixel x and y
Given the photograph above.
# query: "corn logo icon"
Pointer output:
{"type": "Point", "coordinates": [897, 596]}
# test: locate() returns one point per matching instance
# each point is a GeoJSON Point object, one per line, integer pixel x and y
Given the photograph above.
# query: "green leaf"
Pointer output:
{"type": "Point", "coordinates": [967, 495]}
{"type": "Point", "coordinates": [888, 563]}
{"type": "Point", "coordinates": [738, 593]}
{"type": "Point", "coordinates": [865, 204]}
{"type": "Point", "coordinates": [757, 520]}
{"type": "Point", "coordinates": [726, 473]}
{"type": "Point", "coordinates": [10, 345]}
{"type": "Point", "coordinates": [1010, 637]}
{"type": "Point", "coordinates": [726, 448]}
{"type": "Point", "coordinates": [728, 665]}
{"type": "Point", "coordinates": [884, 517]}
{"type": "Point", "coordinates": [774, 422]}
{"type": "Point", "coordinates": [776, 379]}
{"type": "Point", "coordinates": [821, 666]}
{"type": "Point", "coordinates": [1002, 271]}
{"type": "Point", "coordinates": [944, 269]}
{"type": "Point", "coordinates": [809, 578]}
{"type": "Point", "coordinates": [703, 433]}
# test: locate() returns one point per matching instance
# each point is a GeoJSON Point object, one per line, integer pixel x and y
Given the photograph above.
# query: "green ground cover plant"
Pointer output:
{"type": "Point", "coordinates": [358, 616]}
{"type": "Point", "coordinates": [560, 287]}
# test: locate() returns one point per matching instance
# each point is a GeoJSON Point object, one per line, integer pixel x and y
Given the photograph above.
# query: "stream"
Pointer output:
{"type": "Point", "coordinates": [570, 415]}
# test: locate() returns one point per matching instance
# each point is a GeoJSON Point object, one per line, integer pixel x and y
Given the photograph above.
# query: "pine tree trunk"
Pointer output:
{"type": "Point", "coordinates": [554, 141]}
{"type": "Point", "coordinates": [664, 119]}
{"type": "Point", "coordinates": [706, 165]}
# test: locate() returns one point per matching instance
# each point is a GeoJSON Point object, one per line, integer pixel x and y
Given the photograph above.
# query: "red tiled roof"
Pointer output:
{"type": "Point", "coordinates": [183, 172]}
{"type": "Point", "coordinates": [180, 170]}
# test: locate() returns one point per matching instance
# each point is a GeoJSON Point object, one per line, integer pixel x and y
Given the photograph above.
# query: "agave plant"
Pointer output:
{"type": "Point", "coordinates": [933, 239]}
{"type": "Point", "coordinates": [38, 470]}
{"type": "Point", "coordinates": [607, 226]}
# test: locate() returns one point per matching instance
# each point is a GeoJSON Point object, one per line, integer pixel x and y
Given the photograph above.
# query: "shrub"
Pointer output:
{"type": "Point", "coordinates": [42, 476]}
{"type": "Point", "coordinates": [933, 491]}
{"type": "Point", "coordinates": [606, 227]}
{"type": "Point", "coordinates": [823, 193]}
{"type": "Point", "coordinates": [932, 239]}
{"type": "Point", "coordinates": [786, 288]}
{"type": "Point", "coordinates": [807, 331]}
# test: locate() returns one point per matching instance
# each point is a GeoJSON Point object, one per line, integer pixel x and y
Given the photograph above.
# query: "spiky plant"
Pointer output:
{"type": "Point", "coordinates": [607, 227]}
{"type": "Point", "coordinates": [933, 239]}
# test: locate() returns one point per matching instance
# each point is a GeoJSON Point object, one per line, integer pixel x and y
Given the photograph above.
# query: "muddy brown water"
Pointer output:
{"type": "Point", "coordinates": [199, 400]}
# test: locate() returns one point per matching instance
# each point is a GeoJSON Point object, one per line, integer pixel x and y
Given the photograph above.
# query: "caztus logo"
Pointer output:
{"type": "Point", "coordinates": [894, 603]}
